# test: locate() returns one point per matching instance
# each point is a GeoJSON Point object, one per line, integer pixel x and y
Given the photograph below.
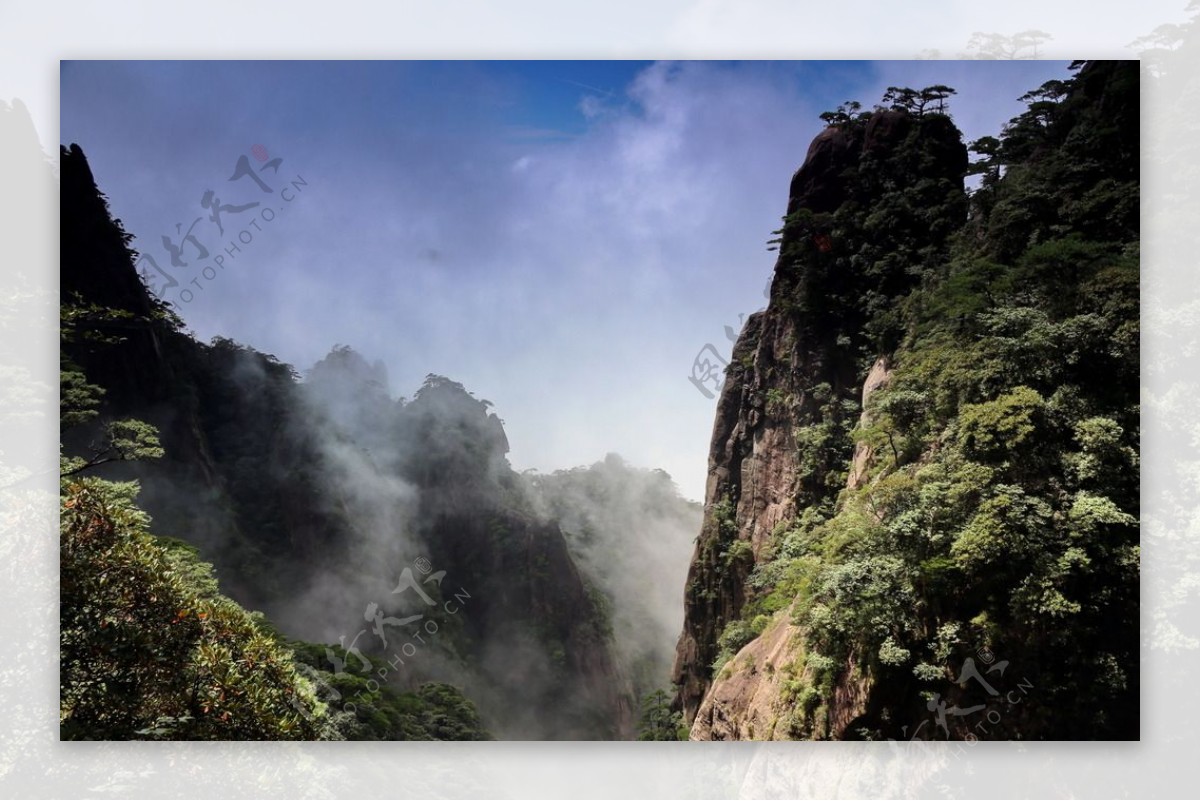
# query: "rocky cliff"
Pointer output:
{"type": "Point", "coordinates": [780, 442]}
{"type": "Point", "coordinates": [922, 491]}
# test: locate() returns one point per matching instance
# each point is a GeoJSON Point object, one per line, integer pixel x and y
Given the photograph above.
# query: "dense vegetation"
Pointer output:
{"type": "Point", "coordinates": [999, 511]}
{"type": "Point", "coordinates": [150, 650]}
{"type": "Point", "coordinates": [658, 721]}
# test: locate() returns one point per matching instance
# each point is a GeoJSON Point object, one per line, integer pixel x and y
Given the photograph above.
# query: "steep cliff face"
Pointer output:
{"type": "Point", "coordinates": [129, 345]}
{"type": "Point", "coordinates": [780, 442]}
{"type": "Point", "coordinates": [538, 637]}
{"type": "Point", "coordinates": [95, 268]}
{"type": "Point", "coordinates": [921, 511]}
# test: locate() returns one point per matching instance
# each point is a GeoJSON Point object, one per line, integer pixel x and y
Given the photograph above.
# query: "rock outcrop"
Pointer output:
{"type": "Point", "coordinates": [746, 701]}
{"type": "Point", "coordinates": [795, 386]}
{"type": "Point", "coordinates": [864, 454]}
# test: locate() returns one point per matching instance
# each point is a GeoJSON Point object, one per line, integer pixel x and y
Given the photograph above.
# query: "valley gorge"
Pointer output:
{"type": "Point", "coordinates": [921, 508]}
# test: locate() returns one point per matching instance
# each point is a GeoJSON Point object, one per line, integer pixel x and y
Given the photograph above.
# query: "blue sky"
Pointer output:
{"type": "Point", "coordinates": [561, 237]}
